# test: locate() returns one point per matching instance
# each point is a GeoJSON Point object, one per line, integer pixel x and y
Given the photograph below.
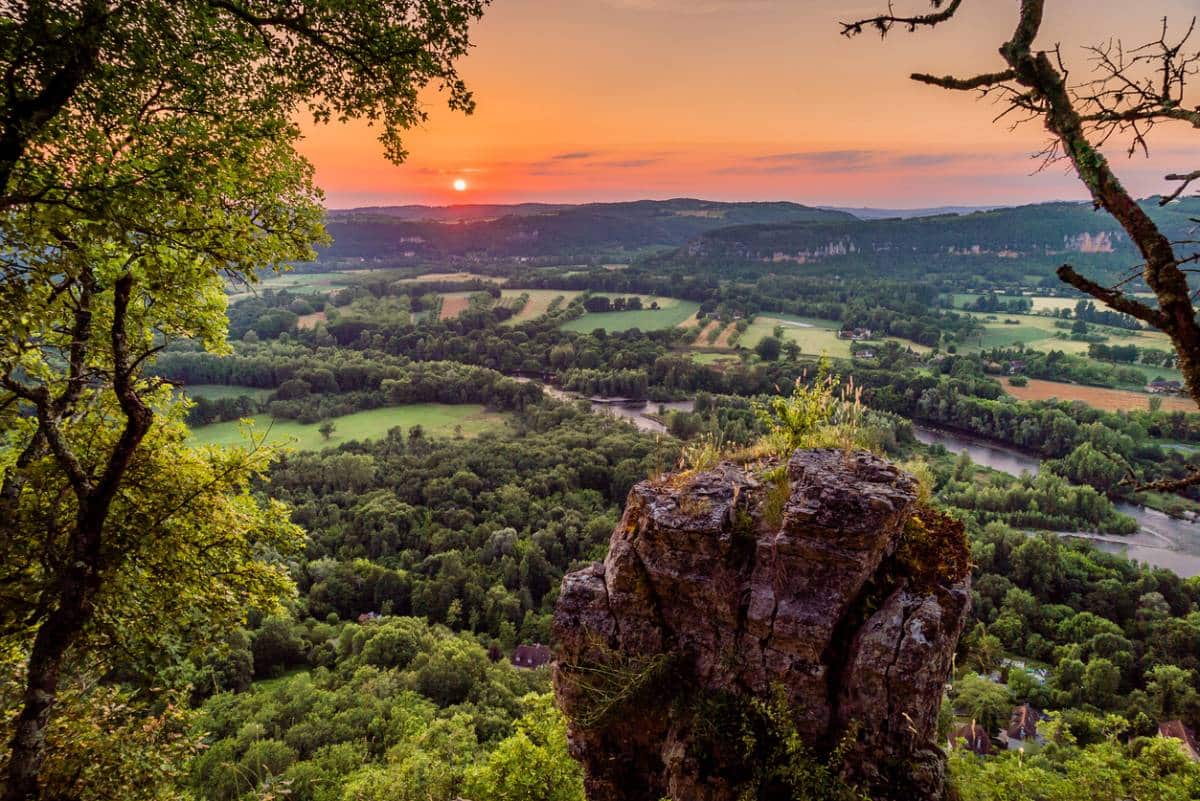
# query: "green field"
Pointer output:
{"type": "Point", "coordinates": [815, 337]}
{"type": "Point", "coordinates": [299, 283]}
{"type": "Point", "coordinates": [435, 418]}
{"type": "Point", "coordinates": [1040, 304]}
{"type": "Point", "coordinates": [459, 276]}
{"type": "Point", "coordinates": [1040, 334]}
{"type": "Point", "coordinates": [220, 391]}
{"type": "Point", "coordinates": [708, 357]}
{"type": "Point", "coordinates": [539, 302]}
{"type": "Point", "coordinates": [671, 312]}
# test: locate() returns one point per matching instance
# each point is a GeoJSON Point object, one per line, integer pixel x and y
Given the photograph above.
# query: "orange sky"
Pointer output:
{"type": "Point", "coordinates": [734, 99]}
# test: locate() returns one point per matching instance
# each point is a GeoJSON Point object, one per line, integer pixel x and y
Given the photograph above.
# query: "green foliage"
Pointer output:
{"type": "Point", "coordinates": [1107, 771]}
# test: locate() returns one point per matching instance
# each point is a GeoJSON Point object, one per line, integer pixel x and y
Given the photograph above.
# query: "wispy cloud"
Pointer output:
{"type": "Point", "coordinates": [578, 155]}
{"type": "Point", "coordinates": [836, 161]}
{"type": "Point", "coordinates": [692, 6]}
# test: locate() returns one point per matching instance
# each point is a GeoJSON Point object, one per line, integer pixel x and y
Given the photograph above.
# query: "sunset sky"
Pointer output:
{"type": "Point", "coordinates": [582, 100]}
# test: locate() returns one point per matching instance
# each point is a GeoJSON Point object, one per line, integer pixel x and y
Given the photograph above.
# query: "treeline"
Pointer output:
{"type": "Point", "coordinates": [325, 382]}
{"type": "Point", "coordinates": [393, 708]}
{"type": "Point", "coordinates": [961, 398]}
{"type": "Point", "coordinates": [473, 534]}
{"type": "Point", "coordinates": [1117, 637]}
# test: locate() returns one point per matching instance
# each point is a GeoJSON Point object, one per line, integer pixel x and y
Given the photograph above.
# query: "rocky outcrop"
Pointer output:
{"type": "Point", "coordinates": [741, 607]}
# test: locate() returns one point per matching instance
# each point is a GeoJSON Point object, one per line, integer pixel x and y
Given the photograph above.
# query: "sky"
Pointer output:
{"type": "Point", "coordinates": [599, 100]}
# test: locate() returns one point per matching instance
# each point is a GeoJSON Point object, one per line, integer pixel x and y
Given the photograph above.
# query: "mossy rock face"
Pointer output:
{"type": "Point", "coordinates": [750, 631]}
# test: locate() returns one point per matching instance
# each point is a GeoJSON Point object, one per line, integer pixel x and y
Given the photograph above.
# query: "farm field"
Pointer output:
{"type": "Point", "coordinates": [299, 283]}
{"type": "Point", "coordinates": [219, 391]}
{"type": "Point", "coordinates": [459, 276]}
{"type": "Point", "coordinates": [435, 418]}
{"type": "Point", "coordinates": [539, 302]}
{"type": "Point", "coordinates": [814, 336]}
{"type": "Point", "coordinates": [454, 304]}
{"type": "Point", "coordinates": [671, 313]}
{"type": "Point", "coordinates": [1112, 400]}
{"type": "Point", "coordinates": [1040, 304]}
{"type": "Point", "coordinates": [709, 357]}
{"type": "Point", "coordinates": [1039, 333]}
{"type": "Point", "coordinates": [310, 320]}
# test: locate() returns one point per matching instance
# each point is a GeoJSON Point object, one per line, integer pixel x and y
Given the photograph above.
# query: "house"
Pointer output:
{"type": "Point", "coordinates": [865, 353]}
{"type": "Point", "coordinates": [974, 738]}
{"type": "Point", "coordinates": [531, 657]}
{"type": "Point", "coordinates": [1177, 731]}
{"type": "Point", "coordinates": [1016, 367]}
{"type": "Point", "coordinates": [1022, 728]}
{"type": "Point", "coordinates": [1161, 386]}
{"type": "Point", "coordinates": [368, 617]}
{"type": "Point", "coordinates": [855, 334]}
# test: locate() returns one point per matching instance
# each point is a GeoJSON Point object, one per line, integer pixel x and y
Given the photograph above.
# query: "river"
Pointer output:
{"type": "Point", "coordinates": [1163, 541]}
{"type": "Point", "coordinates": [640, 414]}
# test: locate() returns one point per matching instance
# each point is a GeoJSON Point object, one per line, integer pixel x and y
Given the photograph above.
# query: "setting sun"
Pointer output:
{"type": "Point", "coordinates": [460, 185]}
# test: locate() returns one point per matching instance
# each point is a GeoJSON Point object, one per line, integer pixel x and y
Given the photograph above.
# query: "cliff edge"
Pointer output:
{"type": "Point", "coordinates": [756, 629]}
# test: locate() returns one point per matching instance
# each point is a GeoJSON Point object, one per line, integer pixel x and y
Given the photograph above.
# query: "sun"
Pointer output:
{"type": "Point", "coordinates": [460, 185]}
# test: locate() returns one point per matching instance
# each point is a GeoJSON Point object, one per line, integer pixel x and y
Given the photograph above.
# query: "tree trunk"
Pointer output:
{"type": "Point", "coordinates": [50, 646]}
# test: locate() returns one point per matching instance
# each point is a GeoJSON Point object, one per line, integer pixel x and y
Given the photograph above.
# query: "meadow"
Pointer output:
{"type": "Point", "coordinates": [961, 300]}
{"type": "Point", "coordinates": [539, 302]}
{"type": "Point", "coordinates": [1040, 334]}
{"type": "Point", "coordinates": [815, 337]}
{"type": "Point", "coordinates": [436, 418]}
{"type": "Point", "coordinates": [1112, 400]}
{"type": "Point", "coordinates": [458, 276]}
{"type": "Point", "coordinates": [298, 283]}
{"type": "Point", "coordinates": [220, 391]}
{"type": "Point", "coordinates": [671, 313]}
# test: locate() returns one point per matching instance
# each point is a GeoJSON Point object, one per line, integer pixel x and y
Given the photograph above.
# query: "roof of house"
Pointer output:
{"type": "Point", "coordinates": [976, 737]}
{"type": "Point", "coordinates": [1177, 730]}
{"type": "Point", "coordinates": [1023, 723]}
{"type": "Point", "coordinates": [531, 656]}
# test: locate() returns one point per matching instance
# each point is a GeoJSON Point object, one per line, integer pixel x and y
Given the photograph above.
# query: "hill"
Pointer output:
{"type": "Point", "coordinates": [1049, 230]}
{"type": "Point", "coordinates": [411, 233]}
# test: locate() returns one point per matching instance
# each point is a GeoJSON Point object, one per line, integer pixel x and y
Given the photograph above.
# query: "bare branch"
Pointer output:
{"type": "Point", "coordinates": [984, 81]}
{"type": "Point", "coordinates": [885, 22]}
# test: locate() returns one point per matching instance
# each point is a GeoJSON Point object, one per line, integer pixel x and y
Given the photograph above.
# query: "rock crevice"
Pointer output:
{"type": "Point", "coordinates": [710, 597]}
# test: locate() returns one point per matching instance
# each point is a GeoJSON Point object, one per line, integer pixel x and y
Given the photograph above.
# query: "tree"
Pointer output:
{"type": "Point", "coordinates": [983, 701]}
{"type": "Point", "coordinates": [768, 349]}
{"type": "Point", "coordinates": [146, 152]}
{"type": "Point", "coordinates": [326, 429]}
{"type": "Point", "coordinates": [1132, 91]}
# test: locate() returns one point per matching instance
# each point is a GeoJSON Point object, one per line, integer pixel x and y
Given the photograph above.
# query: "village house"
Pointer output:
{"type": "Point", "coordinates": [1022, 729]}
{"type": "Point", "coordinates": [1176, 730]}
{"type": "Point", "coordinates": [856, 334]}
{"type": "Point", "coordinates": [531, 657]}
{"type": "Point", "coordinates": [974, 738]}
{"type": "Point", "coordinates": [1161, 386]}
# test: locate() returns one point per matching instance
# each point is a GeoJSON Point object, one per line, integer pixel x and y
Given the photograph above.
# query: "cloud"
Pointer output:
{"type": "Point", "coordinates": [691, 6]}
{"type": "Point", "coordinates": [819, 157]}
{"type": "Point", "coordinates": [578, 155]}
{"type": "Point", "coordinates": [627, 164]}
{"type": "Point", "coordinates": [804, 161]}
{"type": "Point", "coordinates": [837, 161]}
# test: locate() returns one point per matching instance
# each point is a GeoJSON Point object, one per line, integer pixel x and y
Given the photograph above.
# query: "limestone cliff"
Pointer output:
{"type": "Point", "coordinates": [752, 625]}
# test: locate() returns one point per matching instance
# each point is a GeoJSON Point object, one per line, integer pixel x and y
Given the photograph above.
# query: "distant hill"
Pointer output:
{"type": "Point", "coordinates": [411, 233]}
{"type": "Point", "coordinates": [869, 213]}
{"type": "Point", "coordinates": [1025, 232]}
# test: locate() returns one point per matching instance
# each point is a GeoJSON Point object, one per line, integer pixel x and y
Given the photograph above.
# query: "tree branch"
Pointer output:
{"type": "Point", "coordinates": [885, 22]}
